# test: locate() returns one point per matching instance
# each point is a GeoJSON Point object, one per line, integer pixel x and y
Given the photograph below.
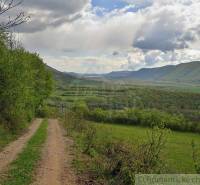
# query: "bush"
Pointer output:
{"type": "Point", "coordinates": [47, 111]}
{"type": "Point", "coordinates": [124, 161]}
{"type": "Point", "coordinates": [80, 108]}
{"type": "Point", "coordinates": [89, 139]}
{"type": "Point", "coordinates": [196, 158]}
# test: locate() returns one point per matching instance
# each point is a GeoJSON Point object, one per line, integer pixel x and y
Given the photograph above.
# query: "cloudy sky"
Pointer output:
{"type": "Point", "coordinates": [99, 36]}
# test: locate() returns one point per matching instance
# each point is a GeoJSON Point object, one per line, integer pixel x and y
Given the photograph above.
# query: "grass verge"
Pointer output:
{"type": "Point", "coordinates": [6, 137]}
{"type": "Point", "coordinates": [22, 169]}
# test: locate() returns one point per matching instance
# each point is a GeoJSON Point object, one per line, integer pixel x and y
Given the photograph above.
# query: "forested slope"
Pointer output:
{"type": "Point", "coordinates": [25, 84]}
{"type": "Point", "coordinates": [186, 72]}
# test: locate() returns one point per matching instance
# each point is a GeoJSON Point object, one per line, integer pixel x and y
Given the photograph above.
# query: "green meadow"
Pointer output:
{"type": "Point", "coordinates": [177, 152]}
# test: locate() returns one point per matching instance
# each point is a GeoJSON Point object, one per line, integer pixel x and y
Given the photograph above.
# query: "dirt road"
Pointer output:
{"type": "Point", "coordinates": [12, 150]}
{"type": "Point", "coordinates": [53, 169]}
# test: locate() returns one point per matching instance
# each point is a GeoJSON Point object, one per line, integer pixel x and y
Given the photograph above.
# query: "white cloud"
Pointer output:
{"type": "Point", "coordinates": [159, 32]}
{"type": "Point", "coordinates": [155, 58]}
{"type": "Point", "coordinates": [89, 34]}
{"type": "Point", "coordinates": [51, 13]}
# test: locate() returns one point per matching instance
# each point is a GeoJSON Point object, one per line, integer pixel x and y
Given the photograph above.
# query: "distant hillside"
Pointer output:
{"type": "Point", "coordinates": [60, 76]}
{"type": "Point", "coordinates": [187, 72]}
{"type": "Point", "coordinates": [72, 78]}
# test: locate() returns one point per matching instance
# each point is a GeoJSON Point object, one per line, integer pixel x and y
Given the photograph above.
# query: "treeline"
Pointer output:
{"type": "Point", "coordinates": [141, 97]}
{"type": "Point", "coordinates": [140, 117]}
{"type": "Point", "coordinates": [25, 84]}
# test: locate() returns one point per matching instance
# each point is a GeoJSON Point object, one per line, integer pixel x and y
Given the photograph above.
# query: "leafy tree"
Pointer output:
{"type": "Point", "coordinates": [25, 84]}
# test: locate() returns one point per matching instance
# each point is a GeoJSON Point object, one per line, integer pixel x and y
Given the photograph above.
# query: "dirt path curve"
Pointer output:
{"type": "Point", "coordinates": [12, 150]}
{"type": "Point", "coordinates": [52, 169]}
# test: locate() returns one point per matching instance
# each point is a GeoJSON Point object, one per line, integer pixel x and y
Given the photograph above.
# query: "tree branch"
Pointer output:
{"type": "Point", "coordinates": [7, 5]}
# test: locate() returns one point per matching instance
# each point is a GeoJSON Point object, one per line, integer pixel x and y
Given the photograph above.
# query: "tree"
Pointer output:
{"type": "Point", "coordinates": [5, 7]}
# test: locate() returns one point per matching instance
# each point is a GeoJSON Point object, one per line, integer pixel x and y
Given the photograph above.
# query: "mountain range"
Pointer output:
{"type": "Point", "coordinates": [185, 72]}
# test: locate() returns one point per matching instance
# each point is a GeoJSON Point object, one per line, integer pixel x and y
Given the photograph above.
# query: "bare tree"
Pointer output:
{"type": "Point", "coordinates": [5, 7]}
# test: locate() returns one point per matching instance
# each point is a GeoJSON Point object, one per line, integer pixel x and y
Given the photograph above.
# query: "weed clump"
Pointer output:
{"type": "Point", "coordinates": [195, 156]}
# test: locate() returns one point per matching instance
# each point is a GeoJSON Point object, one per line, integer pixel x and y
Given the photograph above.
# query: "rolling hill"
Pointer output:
{"type": "Point", "coordinates": [182, 73]}
{"type": "Point", "coordinates": [60, 77]}
{"type": "Point", "coordinates": [64, 78]}
{"type": "Point", "coordinates": [186, 72]}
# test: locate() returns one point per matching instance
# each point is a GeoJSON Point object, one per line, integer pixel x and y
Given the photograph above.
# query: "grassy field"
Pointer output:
{"type": "Point", "coordinates": [175, 100]}
{"type": "Point", "coordinates": [178, 151]}
{"type": "Point", "coordinates": [22, 169]}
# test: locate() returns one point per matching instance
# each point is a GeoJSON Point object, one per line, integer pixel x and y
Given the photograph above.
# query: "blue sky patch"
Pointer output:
{"type": "Point", "coordinates": [109, 4]}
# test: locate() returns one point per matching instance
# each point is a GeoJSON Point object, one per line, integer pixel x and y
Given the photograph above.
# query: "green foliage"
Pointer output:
{"type": "Point", "coordinates": [124, 160]}
{"type": "Point", "coordinates": [22, 169]}
{"type": "Point", "coordinates": [172, 99]}
{"type": "Point", "coordinates": [196, 158]}
{"type": "Point", "coordinates": [114, 161]}
{"type": "Point", "coordinates": [143, 117]}
{"type": "Point", "coordinates": [177, 154]}
{"type": "Point", "coordinates": [89, 139]}
{"type": "Point", "coordinates": [5, 137]}
{"type": "Point", "coordinates": [80, 108]}
{"type": "Point", "coordinates": [25, 84]}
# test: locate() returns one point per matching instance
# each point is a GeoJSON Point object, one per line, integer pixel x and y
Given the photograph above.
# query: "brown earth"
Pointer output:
{"type": "Point", "coordinates": [10, 152]}
{"type": "Point", "coordinates": [54, 168]}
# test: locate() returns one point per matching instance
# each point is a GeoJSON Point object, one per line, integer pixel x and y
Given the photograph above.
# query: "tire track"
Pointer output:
{"type": "Point", "coordinates": [52, 169]}
{"type": "Point", "coordinates": [10, 152]}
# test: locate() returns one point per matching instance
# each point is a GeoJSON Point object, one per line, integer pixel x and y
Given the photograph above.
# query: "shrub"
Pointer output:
{"type": "Point", "coordinates": [124, 161]}
{"type": "Point", "coordinates": [89, 139]}
{"type": "Point", "coordinates": [196, 158]}
{"type": "Point", "coordinates": [80, 108]}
